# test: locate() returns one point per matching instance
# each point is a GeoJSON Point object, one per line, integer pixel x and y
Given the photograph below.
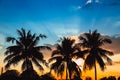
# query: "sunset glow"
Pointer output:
{"type": "Point", "coordinates": [58, 19]}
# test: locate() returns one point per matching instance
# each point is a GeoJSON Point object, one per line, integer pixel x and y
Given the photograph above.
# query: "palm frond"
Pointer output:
{"type": "Point", "coordinates": [106, 58]}
{"type": "Point", "coordinates": [42, 36]}
{"type": "Point", "coordinates": [37, 64]}
{"type": "Point", "coordinates": [20, 33]}
{"type": "Point", "coordinates": [13, 61]}
{"type": "Point", "coordinates": [13, 49]}
{"type": "Point", "coordinates": [43, 47]}
{"type": "Point", "coordinates": [23, 32]}
{"type": "Point", "coordinates": [38, 55]}
{"type": "Point", "coordinates": [61, 69]}
{"type": "Point", "coordinates": [29, 34]}
{"type": "Point", "coordinates": [89, 62]}
{"type": "Point", "coordinates": [33, 36]}
{"type": "Point", "coordinates": [55, 52]}
{"type": "Point", "coordinates": [103, 51]}
{"type": "Point", "coordinates": [8, 39]}
{"type": "Point", "coordinates": [7, 58]}
{"type": "Point", "coordinates": [100, 62]}
{"type": "Point", "coordinates": [24, 65]}
{"type": "Point", "coordinates": [105, 40]}
{"type": "Point", "coordinates": [76, 68]}
{"type": "Point", "coordinates": [80, 54]}
{"type": "Point", "coordinates": [57, 58]}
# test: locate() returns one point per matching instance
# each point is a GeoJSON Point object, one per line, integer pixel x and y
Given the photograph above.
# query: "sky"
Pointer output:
{"type": "Point", "coordinates": [58, 18]}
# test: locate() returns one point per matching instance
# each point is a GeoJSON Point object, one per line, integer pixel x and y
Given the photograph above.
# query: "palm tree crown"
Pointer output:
{"type": "Point", "coordinates": [25, 49]}
{"type": "Point", "coordinates": [93, 42]}
{"type": "Point", "coordinates": [63, 59]}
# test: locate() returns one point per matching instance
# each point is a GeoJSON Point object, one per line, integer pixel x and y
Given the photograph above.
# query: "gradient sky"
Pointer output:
{"type": "Point", "coordinates": [58, 18]}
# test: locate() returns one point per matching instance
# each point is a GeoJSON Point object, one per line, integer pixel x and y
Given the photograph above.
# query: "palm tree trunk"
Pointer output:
{"type": "Point", "coordinates": [1, 70]}
{"type": "Point", "coordinates": [27, 64]}
{"type": "Point", "coordinates": [95, 72]}
{"type": "Point", "coordinates": [66, 73]}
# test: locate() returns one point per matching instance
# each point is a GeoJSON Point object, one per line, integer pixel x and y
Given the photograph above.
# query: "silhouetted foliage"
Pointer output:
{"type": "Point", "coordinates": [111, 78]}
{"type": "Point", "coordinates": [76, 78]}
{"type": "Point", "coordinates": [104, 78]}
{"type": "Point", "coordinates": [25, 49]}
{"type": "Point", "coordinates": [29, 74]}
{"type": "Point", "coordinates": [10, 75]}
{"type": "Point", "coordinates": [93, 42]}
{"type": "Point", "coordinates": [47, 76]}
{"type": "Point", "coordinates": [62, 59]}
{"type": "Point", "coordinates": [88, 78]}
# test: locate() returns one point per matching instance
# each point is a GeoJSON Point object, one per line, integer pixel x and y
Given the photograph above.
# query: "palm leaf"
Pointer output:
{"type": "Point", "coordinates": [8, 39]}
{"type": "Point", "coordinates": [100, 62]}
{"type": "Point", "coordinates": [55, 52]}
{"type": "Point", "coordinates": [57, 58]}
{"type": "Point", "coordinates": [44, 47]}
{"type": "Point", "coordinates": [37, 64]}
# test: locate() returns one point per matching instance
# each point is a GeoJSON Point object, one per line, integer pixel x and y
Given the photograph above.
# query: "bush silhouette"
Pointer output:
{"type": "Point", "coordinates": [111, 78]}
{"type": "Point", "coordinates": [104, 78]}
{"type": "Point", "coordinates": [47, 76]}
{"type": "Point", "coordinates": [29, 74]}
{"type": "Point", "coordinates": [10, 75]}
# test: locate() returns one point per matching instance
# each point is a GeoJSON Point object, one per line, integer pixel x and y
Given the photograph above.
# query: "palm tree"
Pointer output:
{"type": "Point", "coordinates": [62, 59]}
{"type": "Point", "coordinates": [93, 42]}
{"type": "Point", "coordinates": [25, 49]}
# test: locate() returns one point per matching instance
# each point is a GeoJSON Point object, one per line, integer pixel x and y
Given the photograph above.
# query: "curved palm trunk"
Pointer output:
{"type": "Point", "coordinates": [69, 75]}
{"type": "Point", "coordinates": [95, 72]}
{"type": "Point", "coordinates": [69, 72]}
{"type": "Point", "coordinates": [27, 64]}
{"type": "Point", "coordinates": [66, 73]}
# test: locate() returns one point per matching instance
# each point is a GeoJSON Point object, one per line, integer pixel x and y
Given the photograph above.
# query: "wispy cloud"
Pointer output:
{"type": "Point", "coordinates": [66, 32]}
{"type": "Point", "coordinates": [110, 2]}
{"type": "Point", "coordinates": [1, 47]}
{"type": "Point", "coordinates": [114, 47]}
{"type": "Point", "coordinates": [2, 39]}
{"type": "Point", "coordinates": [89, 1]}
{"type": "Point", "coordinates": [117, 24]}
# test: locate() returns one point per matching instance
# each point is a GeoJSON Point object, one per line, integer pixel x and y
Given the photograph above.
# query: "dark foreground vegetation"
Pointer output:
{"type": "Point", "coordinates": [25, 48]}
{"type": "Point", "coordinates": [25, 75]}
{"type": "Point", "coordinates": [32, 75]}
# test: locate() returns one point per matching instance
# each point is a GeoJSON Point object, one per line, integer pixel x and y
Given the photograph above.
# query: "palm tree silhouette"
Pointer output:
{"type": "Point", "coordinates": [93, 42]}
{"type": "Point", "coordinates": [25, 49]}
{"type": "Point", "coordinates": [63, 59]}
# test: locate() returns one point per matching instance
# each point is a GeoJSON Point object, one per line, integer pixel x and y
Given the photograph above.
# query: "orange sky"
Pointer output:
{"type": "Point", "coordinates": [109, 71]}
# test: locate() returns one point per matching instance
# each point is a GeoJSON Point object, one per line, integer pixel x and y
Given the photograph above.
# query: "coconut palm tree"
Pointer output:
{"type": "Point", "coordinates": [25, 49]}
{"type": "Point", "coordinates": [93, 42]}
{"type": "Point", "coordinates": [62, 59]}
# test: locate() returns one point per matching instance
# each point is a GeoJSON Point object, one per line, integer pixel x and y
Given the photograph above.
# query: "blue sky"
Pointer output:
{"type": "Point", "coordinates": [57, 18]}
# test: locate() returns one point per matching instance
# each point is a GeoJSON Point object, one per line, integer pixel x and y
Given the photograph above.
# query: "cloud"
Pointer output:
{"type": "Point", "coordinates": [65, 32]}
{"type": "Point", "coordinates": [90, 4]}
{"type": "Point", "coordinates": [1, 47]}
{"type": "Point", "coordinates": [2, 39]}
{"type": "Point", "coordinates": [89, 1]}
{"type": "Point", "coordinates": [110, 2]}
{"type": "Point", "coordinates": [114, 47]}
{"type": "Point", "coordinates": [117, 24]}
